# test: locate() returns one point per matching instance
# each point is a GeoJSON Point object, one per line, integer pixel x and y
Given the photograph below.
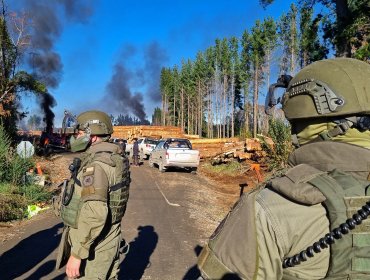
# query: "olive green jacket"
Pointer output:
{"type": "Point", "coordinates": [265, 226]}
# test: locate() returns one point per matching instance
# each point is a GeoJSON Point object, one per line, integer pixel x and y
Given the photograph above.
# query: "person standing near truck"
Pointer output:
{"type": "Point", "coordinates": [122, 145]}
{"type": "Point", "coordinates": [135, 152]}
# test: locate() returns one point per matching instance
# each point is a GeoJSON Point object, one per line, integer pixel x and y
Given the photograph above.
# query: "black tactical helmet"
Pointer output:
{"type": "Point", "coordinates": [95, 123]}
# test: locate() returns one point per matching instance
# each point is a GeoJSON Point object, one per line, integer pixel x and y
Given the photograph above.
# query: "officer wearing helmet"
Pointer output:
{"type": "Point", "coordinates": [309, 221]}
{"type": "Point", "coordinates": [93, 202]}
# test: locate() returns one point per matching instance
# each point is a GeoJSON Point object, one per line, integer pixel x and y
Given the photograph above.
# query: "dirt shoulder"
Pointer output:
{"type": "Point", "coordinates": [226, 189]}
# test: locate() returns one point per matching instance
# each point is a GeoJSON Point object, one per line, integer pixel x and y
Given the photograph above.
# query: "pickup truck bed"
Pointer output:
{"type": "Point", "coordinates": [174, 152]}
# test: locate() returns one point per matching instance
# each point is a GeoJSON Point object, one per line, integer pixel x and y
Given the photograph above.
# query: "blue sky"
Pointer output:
{"type": "Point", "coordinates": [111, 52]}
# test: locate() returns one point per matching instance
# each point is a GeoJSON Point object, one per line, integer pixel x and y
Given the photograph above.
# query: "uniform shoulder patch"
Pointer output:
{"type": "Point", "coordinates": [88, 180]}
{"type": "Point", "coordinates": [88, 170]}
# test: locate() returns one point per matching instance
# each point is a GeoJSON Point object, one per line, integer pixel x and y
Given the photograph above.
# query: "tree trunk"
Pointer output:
{"type": "Point", "coordinates": [182, 109]}
{"type": "Point", "coordinates": [232, 105]}
{"type": "Point", "coordinates": [255, 98]}
{"type": "Point", "coordinates": [343, 46]}
{"type": "Point", "coordinates": [225, 106]}
{"type": "Point", "coordinates": [163, 119]}
{"type": "Point", "coordinates": [189, 115]}
{"type": "Point", "coordinates": [174, 110]}
{"type": "Point", "coordinates": [200, 110]}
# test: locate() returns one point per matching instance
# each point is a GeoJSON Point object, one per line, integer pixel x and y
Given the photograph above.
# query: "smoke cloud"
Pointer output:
{"type": "Point", "coordinates": [155, 57]}
{"type": "Point", "coordinates": [119, 96]}
{"type": "Point", "coordinates": [47, 101]}
{"type": "Point", "coordinates": [47, 17]}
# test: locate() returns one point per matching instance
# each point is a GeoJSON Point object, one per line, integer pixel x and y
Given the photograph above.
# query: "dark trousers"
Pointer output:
{"type": "Point", "coordinates": [136, 160]}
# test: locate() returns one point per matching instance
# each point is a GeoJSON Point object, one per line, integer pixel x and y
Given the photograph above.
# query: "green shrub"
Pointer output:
{"type": "Point", "coordinates": [12, 207]}
{"type": "Point", "coordinates": [279, 131]}
{"type": "Point", "coordinates": [4, 151]}
{"type": "Point", "coordinates": [15, 192]}
{"type": "Point", "coordinates": [35, 193]}
{"type": "Point", "coordinates": [12, 166]}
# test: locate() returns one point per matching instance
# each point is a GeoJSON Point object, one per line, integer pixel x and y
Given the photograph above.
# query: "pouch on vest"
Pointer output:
{"type": "Point", "coordinates": [342, 195]}
{"type": "Point", "coordinates": [118, 192]}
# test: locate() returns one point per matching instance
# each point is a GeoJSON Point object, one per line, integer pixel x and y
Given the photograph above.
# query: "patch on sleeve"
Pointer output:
{"type": "Point", "coordinates": [88, 170]}
{"type": "Point", "coordinates": [88, 180]}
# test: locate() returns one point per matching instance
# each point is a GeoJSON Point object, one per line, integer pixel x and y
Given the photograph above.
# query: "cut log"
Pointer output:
{"type": "Point", "coordinates": [253, 145]}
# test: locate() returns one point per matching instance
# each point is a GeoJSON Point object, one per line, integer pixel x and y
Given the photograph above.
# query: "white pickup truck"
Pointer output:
{"type": "Point", "coordinates": [174, 152]}
{"type": "Point", "coordinates": [146, 146]}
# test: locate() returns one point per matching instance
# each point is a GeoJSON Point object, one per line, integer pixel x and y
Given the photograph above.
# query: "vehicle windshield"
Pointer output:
{"type": "Point", "coordinates": [152, 141]}
{"type": "Point", "coordinates": [179, 144]}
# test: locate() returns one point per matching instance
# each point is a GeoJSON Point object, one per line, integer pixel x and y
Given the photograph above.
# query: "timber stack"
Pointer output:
{"type": "Point", "coordinates": [225, 150]}
{"type": "Point", "coordinates": [131, 132]}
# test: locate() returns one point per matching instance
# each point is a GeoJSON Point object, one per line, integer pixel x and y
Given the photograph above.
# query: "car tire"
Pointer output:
{"type": "Point", "coordinates": [193, 170]}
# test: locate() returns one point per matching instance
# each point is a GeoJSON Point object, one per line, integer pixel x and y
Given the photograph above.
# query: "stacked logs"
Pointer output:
{"type": "Point", "coordinates": [225, 150]}
{"type": "Point", "coordinates": [131, 132]}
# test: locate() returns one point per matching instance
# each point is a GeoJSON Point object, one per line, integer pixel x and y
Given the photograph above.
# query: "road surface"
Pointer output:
{"type": "Point", "coordinates": [167, 221]}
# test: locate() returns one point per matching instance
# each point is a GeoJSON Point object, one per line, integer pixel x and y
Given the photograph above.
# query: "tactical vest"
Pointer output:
{"type": "Point", "coordinates": [340, 193]}
{"type": "Point", "coordinates": [116, 167]}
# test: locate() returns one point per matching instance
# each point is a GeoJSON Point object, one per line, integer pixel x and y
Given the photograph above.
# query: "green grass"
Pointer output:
{"type": "Point", "coordinates": [230, 168]}
{"type": "Point", "coordinates": [35, 193]}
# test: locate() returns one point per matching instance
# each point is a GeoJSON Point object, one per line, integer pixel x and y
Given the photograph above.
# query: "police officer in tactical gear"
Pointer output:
{"type": "Point", "coordinates": [93, 202]}
{"type": "Point", "coordinates": [310, 221]}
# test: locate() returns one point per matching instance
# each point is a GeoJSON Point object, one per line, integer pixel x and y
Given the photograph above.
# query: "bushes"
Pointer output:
{"type": "Point", "coordinates": [15, 193]}
{"type": "Point", "coordinates": [12, 166]}
{"type": "Point", "coordinates": [279, 131]}
{"type": "Point", "coordinates": [12, 207]}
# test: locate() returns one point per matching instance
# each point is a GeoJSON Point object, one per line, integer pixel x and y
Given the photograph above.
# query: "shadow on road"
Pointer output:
{"type": "Point", "coordinates": [193, 273]}
{"type": "Point", "coordinates": [45, 269]}
{"type": "Point", "coordinates": [30, 252]}
{"type": "Point", "coordinates": [138, 258]}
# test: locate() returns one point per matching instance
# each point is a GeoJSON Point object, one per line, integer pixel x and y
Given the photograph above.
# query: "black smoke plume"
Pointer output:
{"type": "Point", "coordinates": [48, 17]}
{"type": "Point", "coordinates": [155, 57]}
{"type": "Point", "coordinates": [119, 96]}
{"type": "Point", "coordinates": [47, 101]}
{"type": "Point", "coordinates": [47, 21]}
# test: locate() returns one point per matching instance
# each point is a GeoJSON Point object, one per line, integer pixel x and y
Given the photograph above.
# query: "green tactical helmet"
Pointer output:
{"type": "Point", "coordinates": [95, 123]}
{"type": "Point", "coordinates": [329, 88]}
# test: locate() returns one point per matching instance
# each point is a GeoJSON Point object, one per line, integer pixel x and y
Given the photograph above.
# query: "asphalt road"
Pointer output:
{"type": "Point", "coordinates": [164, 238]}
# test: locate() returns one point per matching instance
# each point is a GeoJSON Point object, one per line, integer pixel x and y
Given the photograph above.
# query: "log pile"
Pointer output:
{"type": "Point", "coordinates": [226, 150]}
{"type": "Point", "coordinates": [209, 148]}
{"type": "Point", "coordinates": [131, 132]}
